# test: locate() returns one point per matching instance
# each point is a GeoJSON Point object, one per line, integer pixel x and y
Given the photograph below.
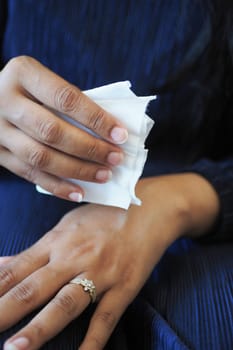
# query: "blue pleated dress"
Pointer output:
{"type": "Point", "coordinates": [180, 51]}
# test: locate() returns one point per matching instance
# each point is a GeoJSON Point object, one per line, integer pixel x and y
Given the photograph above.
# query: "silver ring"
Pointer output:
{"type": "Point", "coordinates": [88, 286]}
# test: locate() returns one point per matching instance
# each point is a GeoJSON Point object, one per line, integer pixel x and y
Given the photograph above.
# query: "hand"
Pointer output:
{"type": "Point", "coordinates": [116, 249]}
{"type": "Point", "coordinates": [41, 147]}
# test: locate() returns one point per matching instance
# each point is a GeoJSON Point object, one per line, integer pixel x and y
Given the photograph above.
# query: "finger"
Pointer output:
{"type": "Point", "coordinates": [56, 186]}
{"type": "Point", "coordinates": [44, 126]}
{"type": "Point", "coordinates": [16, 268]}
{"type": "Point", "coordinates": [53, 91]}
{"type": "Point", "coordinates": [32, 292]}
{"type": "Point", "coordinates": [70, 302]}
{"type": "Point", "coordinates": [105, 318]}
{"type": "Point", "coordinates": [43, 158]}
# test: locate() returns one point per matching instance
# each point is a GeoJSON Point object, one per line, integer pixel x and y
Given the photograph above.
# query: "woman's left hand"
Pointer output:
{"type": "Point", "coordinates": [114, 248]}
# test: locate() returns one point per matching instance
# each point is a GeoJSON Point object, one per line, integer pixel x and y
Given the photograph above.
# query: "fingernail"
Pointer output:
{"type": "Point", "coordinates": [18, 344]}
{"type": "Point", "coordinates": [103, 175]}
{"type": "Point", "coordinates": [76, 197]}
{"type": "Point", "coordinates": [10, 347]}
{"type": "Point", "coordinates": [115, 158]}
{"type": "Point", "coordinates": [119, 135]}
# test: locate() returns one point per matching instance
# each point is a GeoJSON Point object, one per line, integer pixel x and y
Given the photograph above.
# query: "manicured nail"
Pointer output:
{"type": "Point", "coordinates": [10, 347]}
{"type": "Point", "coordinates": [103, 175]}
{"type": "Point", "coordinates": [119, 135]}
{"type": "Point", "coordinates": [17, 344]}
{"type": "Point", "coordinates": [76, 197]}
{"type": "Point", "coordinates": [115, 158]}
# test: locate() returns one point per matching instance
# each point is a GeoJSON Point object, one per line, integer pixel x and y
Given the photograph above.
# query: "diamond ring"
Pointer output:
{"type": "Point", "coordinates": [88, 286]}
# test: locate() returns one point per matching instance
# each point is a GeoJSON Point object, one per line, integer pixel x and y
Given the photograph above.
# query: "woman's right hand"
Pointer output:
{"type": "Point", "coordinates": [41, 147]}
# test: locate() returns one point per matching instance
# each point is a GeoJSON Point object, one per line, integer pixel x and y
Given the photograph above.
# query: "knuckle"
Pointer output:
{"type": "Point", "coordinates": [55, 188]}
{"type": "Point", "coordinates": [79, 173]}
{"type": "Point", "coordinates": [128, 279]}
{"type": "Point", "coordinates": [108, 318]}
{"type": "Point", "coordinates": [38, 158]}
{"type": "Point", "coordinates": [2, 151]}
{"type": "Point", "coordinates": [7, 277]}
{"type": "Point", "coordinates": [25, 258]}
{"type": "Point", "coordinates": [16, 64]}
{"type": "Point", "coordinates": [97, 342]}
{"type": "Point", "coordinates": [15, 68]}
{"type": "Point", "coordinates": [19, 115]}
{"type": "Point", "coordinates": [92, 151]}
{"type": "Point", "coordinates": [84, 173]}
{"type": "Point", "coordinates": [66, 303]}
{"type": "Point", "coordinates": [28, 172]}
{"type": "Point", "coordinates": [24, 293]}
{"type": "Point", "coordinates": [37, 329]}
{"type": "Point", "coordinates": [67, 98]}
{"type": "Point", "coordinates": [50, 132]}
{"type": "Point", "coordinates": [97, 121]}
{"type": "Point", "coordinates": [129, 289]}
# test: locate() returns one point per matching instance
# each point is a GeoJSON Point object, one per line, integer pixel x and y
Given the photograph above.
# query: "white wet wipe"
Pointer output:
{"type": "Point", "coordinates": [119, 100]}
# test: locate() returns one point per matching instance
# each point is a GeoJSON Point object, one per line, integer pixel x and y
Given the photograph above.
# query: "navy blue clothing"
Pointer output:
{"type": "Point", "coordinates": [179, 50]}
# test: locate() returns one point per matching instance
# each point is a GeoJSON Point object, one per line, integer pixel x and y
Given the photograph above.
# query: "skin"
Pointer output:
{"type": "Point", "coordinates": [115, 248]}
{"type": "Point", "coordinates": [38, 145]}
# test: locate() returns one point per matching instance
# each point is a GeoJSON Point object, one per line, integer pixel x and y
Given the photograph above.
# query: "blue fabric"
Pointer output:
{"type": "Point", "coordinates": [177, 49]}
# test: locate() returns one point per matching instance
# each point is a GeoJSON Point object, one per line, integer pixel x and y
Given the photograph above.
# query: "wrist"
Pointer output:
{"type": "Point", "coordinates": [165, 211]}
{"type": "Point", "coordinates": [203, 204]}
{"type": "Point", "coordinates": [182, 204]}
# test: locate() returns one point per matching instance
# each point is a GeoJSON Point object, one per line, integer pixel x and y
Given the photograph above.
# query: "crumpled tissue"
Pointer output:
{"type": "Point", "coordinates": [119, 100]}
